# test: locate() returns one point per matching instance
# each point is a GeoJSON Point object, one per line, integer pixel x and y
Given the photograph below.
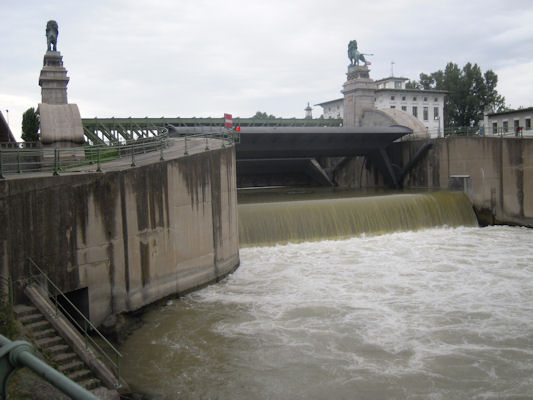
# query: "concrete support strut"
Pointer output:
{"type": "Point", "coordinates": [19, 354]}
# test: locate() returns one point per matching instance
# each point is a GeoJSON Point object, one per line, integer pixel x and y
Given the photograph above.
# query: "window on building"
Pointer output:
{"type": "Point", "coordinates": [397, 84]}
{"type": "Point", "coordinates": [494, 128]}
{"type": "Point", "coordinates": [435, 112]}
{"type": "Point", "coordinates": [425, 99]}
{"type": "Point", "coordinates": [436, 99]}
{"type": "Point", "coordinates": [392, 97]}
{"type": "Point", "coordinates": [414, 98]}
{"type": "Point", "coordinates": [528, 124]}
{"type": "Point", "coordinates": [392, 106]}
{"type": "Point", "coordinates": [404, 108]}
{"type": "Point", "coordinates": [516, 125]}
{"type": "Point", "coordinates": [403, 98]}
{"type": "Point", "coordinates": [426, 113]}
{"type": "Point", "coordinates": [415, 111]}
{"type": "Point", "coordinates": [505, 126]}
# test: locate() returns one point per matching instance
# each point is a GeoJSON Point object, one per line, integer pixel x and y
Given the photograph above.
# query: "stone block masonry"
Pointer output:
{"type": "Point", "coordinates": [125, 238]}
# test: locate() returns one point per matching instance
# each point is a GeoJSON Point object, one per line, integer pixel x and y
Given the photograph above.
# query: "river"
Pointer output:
{"type": "Point", "coordinates": [442, 313]}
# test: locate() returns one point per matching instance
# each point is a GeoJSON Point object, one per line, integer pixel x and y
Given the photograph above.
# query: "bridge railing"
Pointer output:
{"type": "Point", "coordinates": [30, 157]}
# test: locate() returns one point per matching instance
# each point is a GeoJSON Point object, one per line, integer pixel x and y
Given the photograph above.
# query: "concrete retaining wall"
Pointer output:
{"type": "Point", "coordinates": [501, 172]}
{"type": "Point", "coordinates": [130, 237]}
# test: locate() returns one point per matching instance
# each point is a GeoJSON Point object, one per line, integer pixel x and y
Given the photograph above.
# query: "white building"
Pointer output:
{"type": "Point", "coordinates": [426, 105]}
{"type": "Point", "coordinates": [511, 122]}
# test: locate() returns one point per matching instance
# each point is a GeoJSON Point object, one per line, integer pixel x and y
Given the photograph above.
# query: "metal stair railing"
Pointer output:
{"type": "Point", "coordinates": [111, 354]}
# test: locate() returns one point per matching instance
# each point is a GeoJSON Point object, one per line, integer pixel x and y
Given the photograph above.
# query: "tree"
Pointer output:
{"type": "Point", "coordinates": [470, 92]}
{"type": "Point", "coordinates": [263, 115]}
{"type": "Point", "coordinates": [30, 126]}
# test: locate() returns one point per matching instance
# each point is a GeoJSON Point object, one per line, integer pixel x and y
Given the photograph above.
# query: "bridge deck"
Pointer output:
{"type": "Point", "coordinates": [286, 142]}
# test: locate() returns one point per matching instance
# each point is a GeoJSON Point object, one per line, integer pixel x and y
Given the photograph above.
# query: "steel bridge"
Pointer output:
{"type": "Point", "coordinates": [116, 130]}
{"type": "Point", "coordinates": [266, 145]}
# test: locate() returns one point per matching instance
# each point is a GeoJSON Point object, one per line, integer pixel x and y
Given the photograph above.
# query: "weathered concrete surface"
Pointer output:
{"type": "Point", "coordinates": [131, 236]}
{"type": "Point", "coordinates": [60, 123]}
{"type": "Point", "coordinates": [501, 172]}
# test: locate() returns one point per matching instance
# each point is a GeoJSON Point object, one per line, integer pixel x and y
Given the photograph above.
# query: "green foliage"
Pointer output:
{"type": "Point", "coordinates": [8, 327]}
{"type": "Point", "coordinates": [30, 126]}
{"type": "Point", "coordinates": [263, 115]}
{"type": "Point", "coordinates": [470, 92]}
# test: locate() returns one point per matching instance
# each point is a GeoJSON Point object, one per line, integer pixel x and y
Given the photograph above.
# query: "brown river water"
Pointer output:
{"type": "Point", "coordinates": [441, 312]}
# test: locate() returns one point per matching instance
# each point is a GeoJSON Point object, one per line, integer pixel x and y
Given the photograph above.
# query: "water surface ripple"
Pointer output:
{"type": "Point", "coordinates": [434, 314]}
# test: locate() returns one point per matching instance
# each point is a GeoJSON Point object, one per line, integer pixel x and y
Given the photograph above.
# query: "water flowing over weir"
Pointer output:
{"type": "Point", "coordinates": [263, 224]}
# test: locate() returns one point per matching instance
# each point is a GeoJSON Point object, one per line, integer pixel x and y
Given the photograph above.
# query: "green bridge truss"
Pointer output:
{"type": "Point", "coordinates": [115, 130]}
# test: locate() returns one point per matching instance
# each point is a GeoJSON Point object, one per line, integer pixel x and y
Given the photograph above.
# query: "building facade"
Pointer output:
{"type": "Point", "coordinates": [426, 105]}
{"type": "Point", "coordinates": [511, 122]}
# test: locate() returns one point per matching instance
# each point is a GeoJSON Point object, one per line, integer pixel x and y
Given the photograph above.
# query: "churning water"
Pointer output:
{"type": "Point", "coordinates": [443, 313]}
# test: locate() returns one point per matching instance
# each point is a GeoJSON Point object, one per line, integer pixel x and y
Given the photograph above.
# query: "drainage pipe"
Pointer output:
{"type": "Point", "coordinates": [18, 354]}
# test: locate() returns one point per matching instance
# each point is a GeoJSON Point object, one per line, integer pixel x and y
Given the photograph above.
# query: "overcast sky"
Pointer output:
{"type": "Point", "coordinates": [205, 57]}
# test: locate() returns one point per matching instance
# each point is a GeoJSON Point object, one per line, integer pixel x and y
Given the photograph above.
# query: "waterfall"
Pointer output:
{"type": "Point", "coordinates": [263, 224]}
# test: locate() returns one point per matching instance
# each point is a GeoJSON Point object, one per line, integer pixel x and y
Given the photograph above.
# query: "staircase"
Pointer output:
{"type": "Point", "coordinates": [56, 351]}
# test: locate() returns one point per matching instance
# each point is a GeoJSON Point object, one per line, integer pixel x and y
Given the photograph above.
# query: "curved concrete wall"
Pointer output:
{"type": "Point", "coordinates": [130, 237]}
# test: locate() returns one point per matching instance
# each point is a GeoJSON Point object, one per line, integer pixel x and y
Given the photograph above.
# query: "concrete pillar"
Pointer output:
{"type": "Point", "coordinates": [359, 95]}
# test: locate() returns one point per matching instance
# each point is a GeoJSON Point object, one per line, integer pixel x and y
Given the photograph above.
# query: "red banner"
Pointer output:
{"type": "Point", "coordinates": [228, 121]}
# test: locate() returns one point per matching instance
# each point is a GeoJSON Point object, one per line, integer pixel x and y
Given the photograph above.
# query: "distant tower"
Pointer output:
{"type": "Point", "coordinates": [308, 112]}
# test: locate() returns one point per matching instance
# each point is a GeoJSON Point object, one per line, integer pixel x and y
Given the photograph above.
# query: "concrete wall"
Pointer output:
{"type": "Point", "coordinates": [501, 172]}
{"type": "Point", "coordinates": [130, 237]}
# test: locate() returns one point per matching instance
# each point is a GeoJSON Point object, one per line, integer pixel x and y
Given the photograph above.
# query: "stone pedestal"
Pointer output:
{"type": "Point", "coordinates": [53, 79]}
{"type": "Point", "coordinates": [359, 95]}
{"type": "Point", "coordinates": [60, 122]}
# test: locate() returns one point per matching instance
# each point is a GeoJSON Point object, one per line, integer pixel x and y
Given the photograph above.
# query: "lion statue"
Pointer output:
{"type": "Point", "coordinates": [51, 35]}
{"type": "Point", "coordinates": [354, 55]}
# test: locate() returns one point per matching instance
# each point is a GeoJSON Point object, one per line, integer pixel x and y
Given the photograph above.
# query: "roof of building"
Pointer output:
{"type": "Point", "coordinates": [5, 132]}
{"type": "Point", "coordinates": [418, 91]}
{"type": "Point", "coordinates": [421, 91]}
{"type": "Point", "coordinates": [520, 110]}
{"type": "Point", "coordinates": [330, 101]}
{"type": "Point", "coordinates": [396, 78]}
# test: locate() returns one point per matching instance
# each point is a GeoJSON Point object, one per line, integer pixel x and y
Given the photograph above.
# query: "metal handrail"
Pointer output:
{"type": "Point", "coordinates": [20, 158]}
{"type": "Point", "coordinates": [86, 323]}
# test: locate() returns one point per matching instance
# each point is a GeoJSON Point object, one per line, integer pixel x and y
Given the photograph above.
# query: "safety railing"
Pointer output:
{"type": "Point", "coordinates": [480, 131]}
{"type": "Point", "coordinates": [38, 277]}
{"type": "Point", "coordinates": [223, 135]}
{"type": "Point", "coordinates": [18, 158]}
{"type": "Point", "coordinates": [22, 158]}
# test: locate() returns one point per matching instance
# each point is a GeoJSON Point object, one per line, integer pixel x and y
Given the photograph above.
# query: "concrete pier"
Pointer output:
{"type": "Point", "coordinates": [119, 240]}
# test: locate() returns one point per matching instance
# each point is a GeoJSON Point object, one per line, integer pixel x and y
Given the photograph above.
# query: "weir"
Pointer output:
{"type": "Point", "coordinates": [264, 224]}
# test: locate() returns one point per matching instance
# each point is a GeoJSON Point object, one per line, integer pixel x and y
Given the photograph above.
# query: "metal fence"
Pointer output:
{"type": "Point", "coordinates": [108, 352]}
{"type": "Point", "coordinates": [479, 131]}
{"type": "Point", "coordinates": [17, 158]}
